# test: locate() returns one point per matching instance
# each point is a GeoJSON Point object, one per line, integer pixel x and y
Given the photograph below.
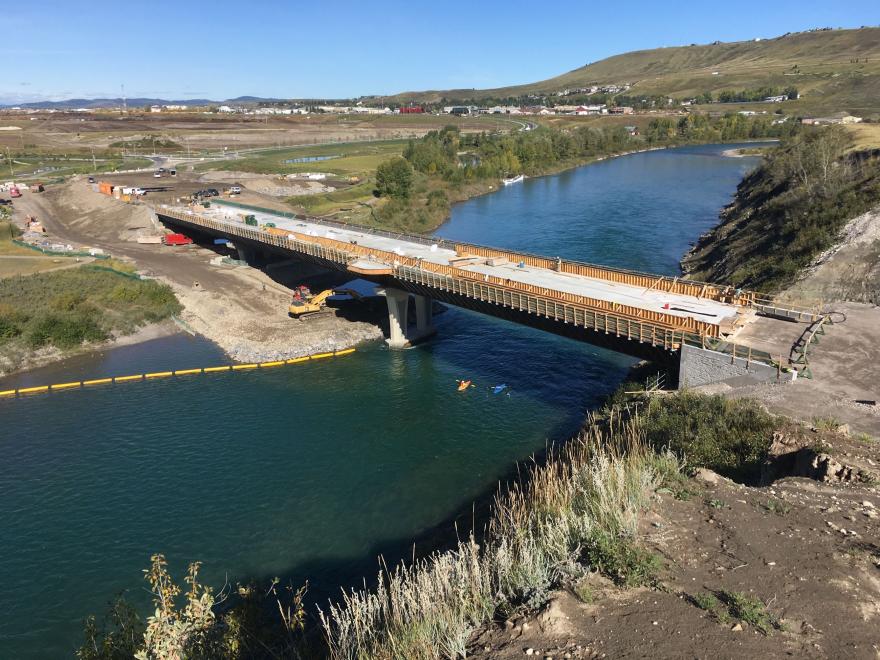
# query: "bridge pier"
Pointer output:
{"type": "Point", "coordinates": [398, 311]}
{"type": "Point", "coordinates": [424, 316]}
{"type": "Point", "coordinates": [399, 334]}
{"type": "Point", "coordinates": [245, 253]}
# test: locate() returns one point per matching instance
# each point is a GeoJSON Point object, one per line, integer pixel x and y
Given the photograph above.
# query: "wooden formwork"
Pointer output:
{"type": "Point", "coordinates": [344, 253]}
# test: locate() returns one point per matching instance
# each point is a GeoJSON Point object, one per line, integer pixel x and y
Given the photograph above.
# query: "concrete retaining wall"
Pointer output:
{"type": "Point", "coordinates": [699, 366]}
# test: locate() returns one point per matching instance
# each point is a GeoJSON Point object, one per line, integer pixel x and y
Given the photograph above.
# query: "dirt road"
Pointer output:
{"type": "Point", "coordinates": [242, 309]}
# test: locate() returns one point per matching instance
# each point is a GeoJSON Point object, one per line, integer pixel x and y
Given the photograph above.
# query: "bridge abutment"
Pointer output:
{"type": "Point", "coordinates": [702, 366]}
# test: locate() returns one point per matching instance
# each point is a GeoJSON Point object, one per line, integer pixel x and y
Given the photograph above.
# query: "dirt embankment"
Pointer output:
{"type": "Point", "coordinates": [790, 569]}
{"type": "Point", "coordinates": [850, 270]}
{"type": "Point", "coordinates": [242, 309]}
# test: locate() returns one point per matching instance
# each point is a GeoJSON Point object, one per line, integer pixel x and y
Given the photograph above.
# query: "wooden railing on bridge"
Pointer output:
{"type": "Point", "coordinates": [657, 328]}
{"type": "Point", "coordinates": [727, 294]}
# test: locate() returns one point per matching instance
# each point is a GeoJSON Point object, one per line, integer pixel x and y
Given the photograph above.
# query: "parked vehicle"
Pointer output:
{"type": "Point", "coordinates": [235, 190]}
{"type": "Point", "coordinates": [212, 192]}
{"type": "Point", "coordinates": [139, 191]}
{"type": "Point", "coordinates": [157, 175]}
{"type": "Point", "coordinates": [91, 179]}
{"type": "Point", "coordinates": [176, 239]}
{"type": "Point", "coordinates": [14, 192]}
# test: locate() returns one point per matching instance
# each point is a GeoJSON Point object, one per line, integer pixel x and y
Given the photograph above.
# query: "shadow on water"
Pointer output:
{"type": "Point", "coordinates": [328, 578]}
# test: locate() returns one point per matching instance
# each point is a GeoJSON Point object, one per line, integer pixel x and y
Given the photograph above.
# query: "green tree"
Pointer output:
{"type": "Point", "coordinates": [394, 178]}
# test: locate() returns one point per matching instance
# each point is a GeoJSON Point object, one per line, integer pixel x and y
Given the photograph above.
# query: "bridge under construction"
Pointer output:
{"type": "Point", "coordinates": [647, 316]}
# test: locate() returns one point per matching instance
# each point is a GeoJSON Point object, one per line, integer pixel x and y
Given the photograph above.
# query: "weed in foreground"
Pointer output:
{"type": "Point", "coordinates": [778, 507]}
{"type": "Point", "coordinates": [584, 592]}
{"type": "Point", "coordinates": [710, 603]}
{"type": "Point", "coordinates": [750, 610]}
{"type": "Point", "coordinates": [826, 423]}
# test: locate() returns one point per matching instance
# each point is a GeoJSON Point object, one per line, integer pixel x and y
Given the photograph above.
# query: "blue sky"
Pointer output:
{"type": "Point", "coordinates": [58, 49]}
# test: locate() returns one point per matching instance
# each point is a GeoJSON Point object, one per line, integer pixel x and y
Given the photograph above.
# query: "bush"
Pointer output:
{"type": "Point", "coordinates": [728, 436]}
{"type": "Point", "coordinates": [394, 178]}
{"type": "Point", "coordinates": [68, 307]}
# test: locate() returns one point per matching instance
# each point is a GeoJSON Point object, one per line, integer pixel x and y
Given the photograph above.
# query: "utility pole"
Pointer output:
{"type": "Point", "coordinates": [9, 160]}
{"type": "Point", "coordinates": [94, 163]}
{"type": "Point", "coordinates": [124, 102]}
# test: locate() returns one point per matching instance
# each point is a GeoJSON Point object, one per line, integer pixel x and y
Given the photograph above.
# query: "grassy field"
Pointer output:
{"type": "Point", "coordinates": [350, 159]}
{"type": "Point", "coordinates": [864, 136]}
{"type": "Point", "coordinates": [50, 166]}
{"type": "Point", "coordinates": [12, 266]}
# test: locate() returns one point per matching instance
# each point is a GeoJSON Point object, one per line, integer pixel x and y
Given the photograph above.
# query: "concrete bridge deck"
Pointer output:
{"type": "Point", "coordinates": [649, 316]}
{"type": "Point", "coordinates": [669, 303]}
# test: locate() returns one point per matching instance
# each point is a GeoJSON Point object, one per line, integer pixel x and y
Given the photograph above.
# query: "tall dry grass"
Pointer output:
{"type": "Point", "coordinates": [576, 512]}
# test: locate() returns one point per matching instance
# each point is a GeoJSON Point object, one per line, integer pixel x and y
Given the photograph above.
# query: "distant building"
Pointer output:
{"type": "Point", "coordinates": [776, 99]}
{"type": "Point", "coordinates": [824, 121]}
{"type": "Point", "coordinates": [590, 110]}
{"type": "Point", "coordinates": [412, 110]}
{"type": "Point", "coordinates": [621, 110]}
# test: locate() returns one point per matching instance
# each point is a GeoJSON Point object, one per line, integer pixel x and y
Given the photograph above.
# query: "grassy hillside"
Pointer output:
{"type": "Point", "coordinates": [820, 64]}
{"type": "Point", "coordinates": [788, 211]}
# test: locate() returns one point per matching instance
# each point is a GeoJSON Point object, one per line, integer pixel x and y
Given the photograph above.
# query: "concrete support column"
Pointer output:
{"type": "Point", "coordinates": [245, 253]}
{"type": "Point", "coordinates": [398, 308]}
{"type": "Point", "coordinates": [424, 315]}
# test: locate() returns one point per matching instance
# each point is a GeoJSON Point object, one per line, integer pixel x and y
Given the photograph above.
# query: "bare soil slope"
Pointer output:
{"type": "Point", "coordinates": [805, 551]}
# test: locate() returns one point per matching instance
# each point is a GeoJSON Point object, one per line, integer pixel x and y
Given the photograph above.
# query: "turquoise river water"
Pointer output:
{"type": "Point", "coordinates": [311, 471]}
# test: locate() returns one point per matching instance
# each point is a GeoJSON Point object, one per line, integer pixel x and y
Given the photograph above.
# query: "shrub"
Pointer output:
{"type": "Point", "coordinates": [68, 307]}
{"type": "Point", "coordinates": [728, 436]}
{"type": "Point", "coordinates": [394, 178]}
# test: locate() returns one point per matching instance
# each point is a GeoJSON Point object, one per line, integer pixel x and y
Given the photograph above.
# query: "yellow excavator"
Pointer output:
{"type": "Point", "coordinates": [304, 304]}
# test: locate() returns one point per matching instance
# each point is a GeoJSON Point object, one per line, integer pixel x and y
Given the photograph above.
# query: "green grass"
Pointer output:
{"type": "Point", "coordinates": [349, 159]}
{"type": "Point", "coordinates": [584, 592]}
{"type": "Point", "coordinates": [728, 436]}
{"type": "Point", "coordinates": [750, 610]}
{"type": "Point", "coordinates": [710, 603]}
{"type": "Point", "coordinates": [59, 165]}
{"type": "Point", "coordinates": [725, 606]}
{"type": "Point", "coordinates": [826, 423]}
{"type": "Point", "coordinates": [778, 507]}
{"type": "Point", "coordinates": [66, 308]}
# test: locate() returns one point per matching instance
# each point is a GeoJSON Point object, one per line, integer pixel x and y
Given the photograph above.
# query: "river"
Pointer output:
{"type": "Point", "coordinates": [312, 470]}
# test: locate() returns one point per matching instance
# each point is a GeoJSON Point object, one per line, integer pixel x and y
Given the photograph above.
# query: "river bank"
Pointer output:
{"type": "Point", "coordinates": [243, 310]}
{"type": "Point", "coordinates": [46, 356]}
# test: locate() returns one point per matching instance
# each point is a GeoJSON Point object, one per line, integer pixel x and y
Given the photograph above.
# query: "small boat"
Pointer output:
{"type": "Point", "coordinates": [498, 389]}
{"type": "Point", "coordinates": [463, 385]}
{"type": "Point", "coordinates": [513, 179]}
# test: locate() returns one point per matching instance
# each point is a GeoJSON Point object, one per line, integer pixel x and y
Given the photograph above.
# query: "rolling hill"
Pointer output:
{"type": "Point", "coordinates": [834, 70]}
